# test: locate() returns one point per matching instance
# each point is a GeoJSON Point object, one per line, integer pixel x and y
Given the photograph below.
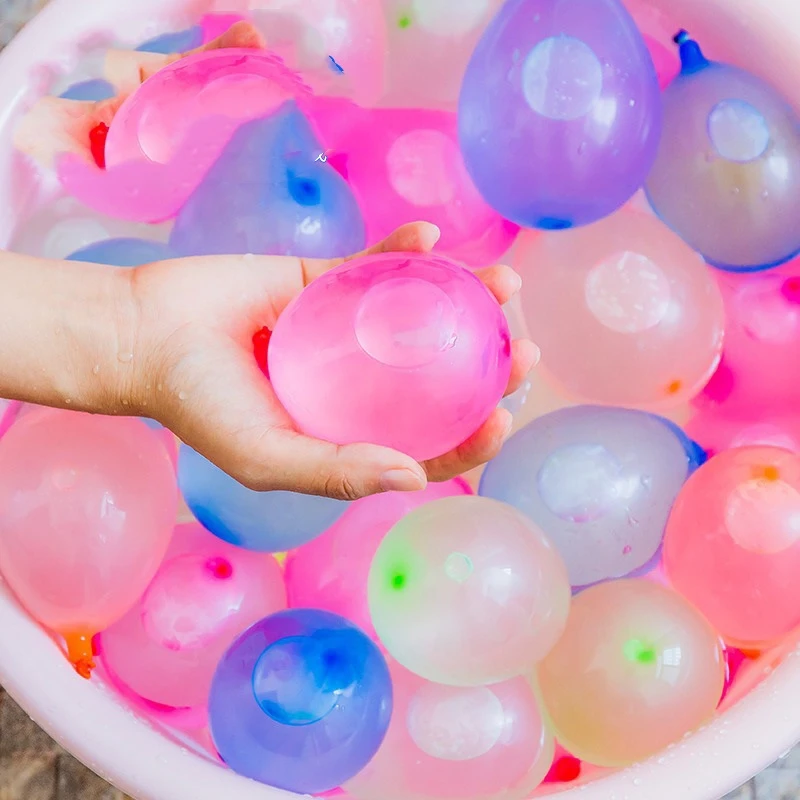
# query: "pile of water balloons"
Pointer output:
{"type": "Point", "coordinates": [587, 599]}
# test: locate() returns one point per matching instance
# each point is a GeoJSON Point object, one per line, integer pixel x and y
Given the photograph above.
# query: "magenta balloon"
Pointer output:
{"type": "Point", "coordinates": [87, 506]}
{"type": "Point", "coordinates": [403, 350]}
{"type": "Point", "coordinates": [331, 572]}
{"type": "Point", "coordinates": [404, 165]}
{"type": "Point", "coordinates": [560, 111]}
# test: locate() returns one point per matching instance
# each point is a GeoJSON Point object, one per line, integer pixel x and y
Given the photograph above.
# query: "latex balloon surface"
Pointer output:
{"type": "Point", "coordinates": [299, 682]}
{"type": "Point", "coordinates": [560, 111]}
{"type": "Point", "coordinates": [331, 571]}
{"type": "Point", "coordinates": [623, 311]}
{"type": "Point", "coordinates": [265, 521]}
{"type": "Point", "coordinates": [405, 165]}
{"type": "Point", "coordinates": [598, 481]}
{"type": "Point", "coordinates": [727, 176]}
{"type": "Point", "coordinates": [123, 253]}
{"type": "Point", "coordinates": [732, 545]}
{"type": "Point", "coordinates": [636, 668]}
{"type": "Point", "coordinates": [87, 505]}
{"type": "Point", "coordinates": [470, 743]}
{"type": "Point", "coordinates": [467, 591]}
{"type": "Point", "coordinates": [402, 350]}
{"type": "Point", "coordinates": [206, 592]}
{"type": "Point", "coordinates": [271, 193]}
{"type": "Point", "coordinates": [94, 89]}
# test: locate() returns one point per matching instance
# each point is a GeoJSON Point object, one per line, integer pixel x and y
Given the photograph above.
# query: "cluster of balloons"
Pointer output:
{"type": "Point", "coordinates": [591, 599]}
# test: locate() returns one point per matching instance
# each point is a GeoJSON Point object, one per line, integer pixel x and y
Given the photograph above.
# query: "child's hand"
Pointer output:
{"type": "Point", "coordinates": [194, 371]}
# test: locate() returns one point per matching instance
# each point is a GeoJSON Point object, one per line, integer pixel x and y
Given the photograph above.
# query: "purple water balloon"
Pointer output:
{"type": "Point", "coordinates": [271, 192]}
{"type": "Point", "coordinates": [301, 700]}
{"type": "Point", "coordinates": [560, 111]}
{"type": "Point", "coordinates": [727, 176]}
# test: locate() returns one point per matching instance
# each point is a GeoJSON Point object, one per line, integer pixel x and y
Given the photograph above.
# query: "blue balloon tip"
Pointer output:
{"type": "Point", "coordinates": [692, 58]}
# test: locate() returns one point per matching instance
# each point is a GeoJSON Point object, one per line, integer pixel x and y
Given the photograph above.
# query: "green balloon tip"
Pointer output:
{"type": "Point", "coordinates": [639, 652]}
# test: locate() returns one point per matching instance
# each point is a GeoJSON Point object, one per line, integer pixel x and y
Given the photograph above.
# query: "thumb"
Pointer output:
{"type": "Point", "coordinates": [292, 461]}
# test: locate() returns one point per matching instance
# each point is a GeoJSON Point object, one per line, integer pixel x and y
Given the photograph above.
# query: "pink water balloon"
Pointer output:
{"type": "Point", "coordinates": [172, 129]}
{"type": "Point", "coordinates": [405, 165]}
{"type": "Point", "coordinates": [338, 45]}
{"type": "Point", "coordinates": [624, 311]}
{"type": "Point", "coordinates": [461, 743]}
{"type": "Point", "coordinates": [87, 506]}
{"type": "Point", "coordinates": [732, 545]}
{"type": "Point", "coordinates": [205, 594]}
{"type": "Point", "coordinates": [331, 572]}
{"type": "Point", "coordinates": [404, 350]}
{"type": "Point", "coordinates": [762, 335]}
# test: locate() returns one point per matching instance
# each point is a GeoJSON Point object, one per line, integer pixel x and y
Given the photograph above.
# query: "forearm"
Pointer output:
{"type": "Point", "coordinates": [66, 335]}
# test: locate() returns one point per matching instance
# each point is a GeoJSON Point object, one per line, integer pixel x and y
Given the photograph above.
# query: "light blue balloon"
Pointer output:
{"type": "Point", "coordinates": [123, 252]}
{"type": "Point", "coordinates": [600, 483]}
{"type": "Point", "coordinates": [270, 522]}
{"type": "Point", "coordinates": [93, 90]}
{"type": "Point", "coordinates": [177, 42]}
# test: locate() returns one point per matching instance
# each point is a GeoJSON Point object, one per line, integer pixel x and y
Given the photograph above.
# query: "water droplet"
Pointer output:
{"type": "Point", "coordinates": [631, 103]}
{"type": "Point", "coordinates": [182, 395]}
{"type": "Point", "coordinates": [160, 387]}
{"type": "Point", "coordinates": [125, 358]}
{"type": "Point", "coordinates": [95, 369]}
{"type": "Point", "coordinates": [68, 401]}
{"type": "Point", "coordinates": [637, 781]}
{"type": "Point", "coordinates": [582, 148]}
{"type": "Point", "coordinates": [764, 194]}
{"type": "Point", "coordinates": [646, 481]}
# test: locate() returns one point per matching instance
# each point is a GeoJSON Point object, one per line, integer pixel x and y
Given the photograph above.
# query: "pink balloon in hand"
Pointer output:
{"type": "Point", "coordinates": [405, 165]}
{"type": "Point", "coordinates": [207, 592]}
{"type": "Point", "coordinates": [87, 506]}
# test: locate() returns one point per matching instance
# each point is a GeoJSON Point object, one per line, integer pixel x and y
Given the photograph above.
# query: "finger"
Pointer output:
{"type": "Point", "coordinates": [525, 356]}
{"type": "Point", "coordinates": [501, 281]}
{"type": "Point", "coordinates": [481, 447]}
{"type": "Point", "coordinates": [415, 237]}
{"type": "Point", "coordinates": [345, 472]}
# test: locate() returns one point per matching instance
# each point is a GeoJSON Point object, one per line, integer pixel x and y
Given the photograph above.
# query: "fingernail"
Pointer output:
{"type": "Point", "coordinates": [401, 480]}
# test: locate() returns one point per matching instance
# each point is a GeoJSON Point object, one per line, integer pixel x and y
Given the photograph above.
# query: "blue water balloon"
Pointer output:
{"type": "Point", "coordinates": [560, 111]}
{"type": "Point", "coordinates": [272, 192]}
{"type": "Point", "coordinates": [123, 252]}
{"type": "Point", "coordinates": [727, 175]}
{"type": "Point", "coordinates": [93, 90]}
{"type": "Point", "coordinates": [302, 701]}
{"type": "Point", "coordinates": [176, 42]}
{"type": "Point", "coordinates": [599, 481]}
{"type": "Point", "coordinates": [268, 521]}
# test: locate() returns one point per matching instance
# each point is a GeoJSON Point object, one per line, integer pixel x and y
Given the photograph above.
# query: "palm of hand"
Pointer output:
{"type": "Point", "coordinates": [204, 383]}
